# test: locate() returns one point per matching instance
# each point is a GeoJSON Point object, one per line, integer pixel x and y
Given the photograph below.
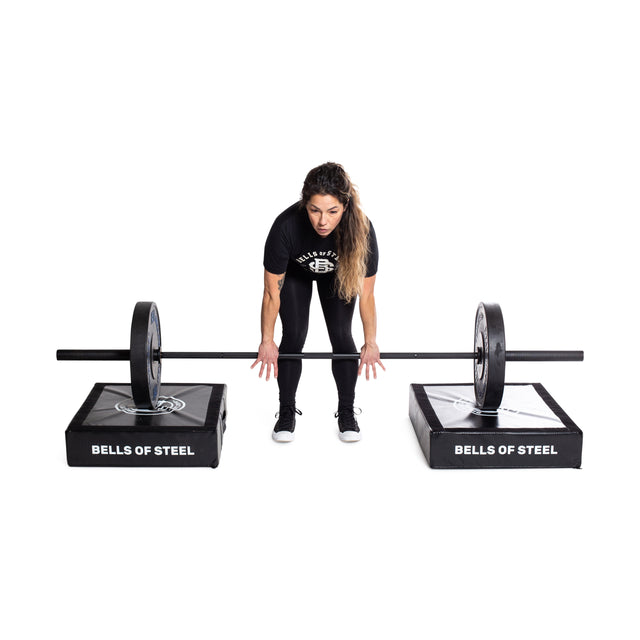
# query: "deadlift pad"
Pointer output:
{"type": "Point", "coordinates": [528, 430]}
{"type": "Point", "coordinates": [185, 429]}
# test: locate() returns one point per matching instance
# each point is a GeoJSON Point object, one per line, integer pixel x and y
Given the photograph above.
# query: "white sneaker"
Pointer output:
{"type": "Point", "coordinates": [283, 430]}
{"type": "Point", "coordinates": [349, 431]}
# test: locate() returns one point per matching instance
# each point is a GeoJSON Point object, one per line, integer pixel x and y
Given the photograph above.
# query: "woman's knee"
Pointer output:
{"type": "Point", "coordinates": [342, 341]}
{"type": "Point", "coordinates": [293, 338]}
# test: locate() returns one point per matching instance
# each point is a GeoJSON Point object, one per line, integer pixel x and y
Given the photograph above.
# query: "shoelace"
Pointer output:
{"type": "Point", "coordinates": [347, 417]}
{"type": "Point", "coordinates": [286, 416]}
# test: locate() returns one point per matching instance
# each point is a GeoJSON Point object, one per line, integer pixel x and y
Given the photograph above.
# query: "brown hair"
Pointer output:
{"type": "Point", "coordinates": [352, 233]}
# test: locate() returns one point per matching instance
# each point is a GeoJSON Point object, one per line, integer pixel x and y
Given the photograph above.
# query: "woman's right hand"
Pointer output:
{"type": "Point", "coordinates": [268, 356]}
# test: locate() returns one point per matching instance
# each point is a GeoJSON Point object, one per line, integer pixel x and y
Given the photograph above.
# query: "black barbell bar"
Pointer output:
{"type": "Point", "coordinates": [512, 356]}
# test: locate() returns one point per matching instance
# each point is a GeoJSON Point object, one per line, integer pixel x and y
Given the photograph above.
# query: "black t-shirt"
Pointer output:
{"type": "Point", "coordinates": [293, 242]}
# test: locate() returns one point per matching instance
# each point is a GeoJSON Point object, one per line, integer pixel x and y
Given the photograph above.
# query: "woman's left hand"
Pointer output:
{"type": "Point", "coordinates": [370, 357]}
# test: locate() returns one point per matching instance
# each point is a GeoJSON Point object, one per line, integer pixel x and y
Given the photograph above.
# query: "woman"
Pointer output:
{"type": "Point", "coordinates": [327, 238]}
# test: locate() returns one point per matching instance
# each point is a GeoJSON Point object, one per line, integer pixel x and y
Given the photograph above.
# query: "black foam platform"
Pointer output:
{"type": "Point", "coordinates": [530, 429]}
{"type": "Point", "coordinates": [185, 431]}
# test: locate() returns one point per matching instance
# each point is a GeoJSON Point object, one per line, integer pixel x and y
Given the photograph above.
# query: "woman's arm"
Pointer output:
{"type": "Point", "coordinates": [268, 350]}
{"type": "Point", "coordinates": [369, 354]}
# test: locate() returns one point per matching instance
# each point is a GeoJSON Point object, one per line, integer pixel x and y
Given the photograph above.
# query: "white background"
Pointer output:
{"type": "Point", "coordinates": [146, 148]}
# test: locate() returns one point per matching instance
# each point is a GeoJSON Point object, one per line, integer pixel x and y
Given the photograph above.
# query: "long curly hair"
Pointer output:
{"type": "Point", "coordinates": [352, 232]}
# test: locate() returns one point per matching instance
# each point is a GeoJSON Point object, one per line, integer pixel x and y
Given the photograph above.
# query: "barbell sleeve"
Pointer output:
{"type": "Point", "coordinates": [544, 356]}
{"type": "Point", "coordinates": [92, 354]}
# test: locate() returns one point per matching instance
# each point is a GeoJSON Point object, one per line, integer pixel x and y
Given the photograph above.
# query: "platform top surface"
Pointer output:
{"type": "Point", "coordinates": [179, 406]}
{"type": "Point", "coordinates": [521, 408]}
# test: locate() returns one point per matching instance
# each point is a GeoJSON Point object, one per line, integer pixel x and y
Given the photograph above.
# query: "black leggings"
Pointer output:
{"type": "Point", "coordinates": [295, 300]}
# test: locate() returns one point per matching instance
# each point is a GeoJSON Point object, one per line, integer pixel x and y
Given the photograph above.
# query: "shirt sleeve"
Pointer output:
{"type": "Point", "coordinates": [276, 249]}
{"type": "Point", "coordinates": [372, 258]}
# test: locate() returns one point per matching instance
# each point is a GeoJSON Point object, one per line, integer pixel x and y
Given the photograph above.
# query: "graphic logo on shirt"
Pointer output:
{"type": "Point", "coordinates": [318, 261]}
{"type": "Point", "coordinates": [322, 265]}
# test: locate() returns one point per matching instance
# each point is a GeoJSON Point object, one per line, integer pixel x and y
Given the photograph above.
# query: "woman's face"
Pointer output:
{"type": "Point", "coordinates": [324, 213]}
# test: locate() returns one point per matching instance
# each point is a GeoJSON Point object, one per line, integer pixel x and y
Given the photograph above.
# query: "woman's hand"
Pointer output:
{"type": "Point", "coordinates": [370, 357]}
{"type": "Point", "coordinates": [268, 355]}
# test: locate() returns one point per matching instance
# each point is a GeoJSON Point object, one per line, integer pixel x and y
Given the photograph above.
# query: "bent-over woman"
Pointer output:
{"type": "Point", "coordinates": [326, 238]}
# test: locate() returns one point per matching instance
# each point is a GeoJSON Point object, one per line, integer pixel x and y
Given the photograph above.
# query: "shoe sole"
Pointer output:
{"type": "Point", "coordinates": [349, 436]}
{"type": "Point", "coordinates": [282, 436]}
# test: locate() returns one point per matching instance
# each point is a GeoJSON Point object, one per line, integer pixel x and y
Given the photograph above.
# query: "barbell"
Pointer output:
{"type": "Point", "coordinates": [145, 355]}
